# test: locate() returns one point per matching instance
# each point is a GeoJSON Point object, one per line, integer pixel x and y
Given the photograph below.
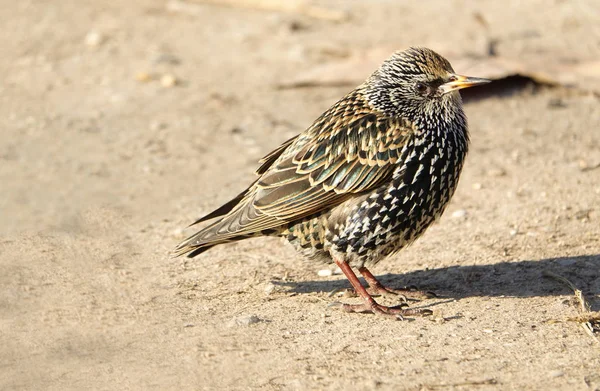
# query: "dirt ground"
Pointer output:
{"type": "Point", "coordinates": [124, 121]}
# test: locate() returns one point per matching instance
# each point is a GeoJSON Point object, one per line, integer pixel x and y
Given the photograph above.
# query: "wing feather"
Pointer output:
{"type": "Point", "coordinates": [349, 150]}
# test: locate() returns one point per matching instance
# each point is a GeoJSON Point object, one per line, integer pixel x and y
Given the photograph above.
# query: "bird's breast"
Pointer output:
{"type": "Point", "coordinates": [399, 211]}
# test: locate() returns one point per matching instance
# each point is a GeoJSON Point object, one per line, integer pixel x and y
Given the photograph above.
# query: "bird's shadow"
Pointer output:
{"type": "Point", "coordinates": [527, 278]}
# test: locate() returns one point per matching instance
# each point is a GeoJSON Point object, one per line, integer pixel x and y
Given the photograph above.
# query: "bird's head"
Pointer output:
{"type": "Point", "coordinates": [418, 84]}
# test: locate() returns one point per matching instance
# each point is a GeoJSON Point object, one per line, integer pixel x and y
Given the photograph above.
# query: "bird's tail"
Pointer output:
{"type": "Point", "coordinates": [208, 237]}
{"type": "Point", "coordinates": [228, 228]}
{"type": "Point", "coordinates": [193, 246]}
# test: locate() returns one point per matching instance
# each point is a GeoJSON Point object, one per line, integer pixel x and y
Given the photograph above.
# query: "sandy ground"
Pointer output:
{"type": "Point", "coordinates": [103, 163]}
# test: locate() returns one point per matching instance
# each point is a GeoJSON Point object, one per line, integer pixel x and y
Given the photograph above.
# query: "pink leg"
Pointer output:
{"type": "Point", "coordinates": [370, 304]}
{"type": "Point", "coordinates": [378, 288]}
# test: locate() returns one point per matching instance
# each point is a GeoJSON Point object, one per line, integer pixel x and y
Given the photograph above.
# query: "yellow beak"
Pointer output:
{"type": "Point", "coordinates": [457, 82]}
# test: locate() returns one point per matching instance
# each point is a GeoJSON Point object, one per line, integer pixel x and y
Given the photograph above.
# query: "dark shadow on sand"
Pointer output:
{"type": "Point", "coordinates": [515, 279]}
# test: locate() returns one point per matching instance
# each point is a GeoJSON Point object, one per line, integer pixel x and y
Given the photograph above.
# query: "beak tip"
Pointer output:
{"type": "Point", "coordinates": [474, 81]}
{"type": "Point", "coordinates": [461, 82]}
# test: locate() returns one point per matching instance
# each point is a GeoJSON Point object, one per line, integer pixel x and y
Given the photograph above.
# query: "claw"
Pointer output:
{"type": "Point", "coordinates": [397, 312]}
{"type": "Point", "coordinates": [370, 305]}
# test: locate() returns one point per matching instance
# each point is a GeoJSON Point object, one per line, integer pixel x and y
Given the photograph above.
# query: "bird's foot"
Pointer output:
{"type": "Point", "coordinates": [397, 312]}
{"type": "Point", "coordinates": [369, 304]}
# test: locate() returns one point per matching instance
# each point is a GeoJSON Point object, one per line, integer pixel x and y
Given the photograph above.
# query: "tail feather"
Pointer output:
{"type": "Point", "coordinates": [191, 249]}
{"type": "Point", "coordinates": [209, 236]}
{"type": "Point", "coordinates": [224, 230]}
{"type": "Point", "coordinates": [203, 240]}
{"type": "Point", "coordinates": [223, 209]}
{"type": "Point", "coordinates": [239, 219]}
{"type": "Point", "coordinates": [193, 246]}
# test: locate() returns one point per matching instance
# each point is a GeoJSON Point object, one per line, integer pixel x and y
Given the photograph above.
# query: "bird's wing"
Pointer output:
{"type": "Point", "coordinates": [265, 162]}
{"type": "Point", "coordinates": [350, 149]}
{"type": "Point", "coordinates": [341, 159]}
{"type": "Point", "coordinates": [268, 160]}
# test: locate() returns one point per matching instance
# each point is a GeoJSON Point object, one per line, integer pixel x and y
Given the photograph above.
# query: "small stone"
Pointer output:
{"type": "Point", "coordinates": [324, 273]}
{"type": "Point", "coordinates": [93, 39]}
{"type": "Point", "coordinates": [477, 186]}
{"type": "Point", "coordinates": [143, 77]}
{"type": "Point", "coordinates": [269, 288]}
{"type": "Point", "coordinates": [496, 172]}
{"type": "Point", "coordinates": [458, 214]}
{"type": "Point", "coordinates": [556, 373]}
{"type": "Point", "coordinates": [297, 25]}
{"type": "Point", "coordinates": [245, 320]}
{"type": "Point", "coordinates": [513, 232]}
{"type": "Point", "coordinates": [516, 156]}
{"type": "Point", "coordinates": [168, 80]}
{"type": "Point", "coordinates": [488, 331]}
{"type": "Point", "coordinates": [583, 214]}
{"type": "Point", "coordinates": [157, 125]}
{"type": "Point", "coordinates": [166, 58]}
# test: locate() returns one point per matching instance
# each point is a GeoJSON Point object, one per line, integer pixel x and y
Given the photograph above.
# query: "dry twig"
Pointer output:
{"type": "Point", "coordinates": [588, 319]}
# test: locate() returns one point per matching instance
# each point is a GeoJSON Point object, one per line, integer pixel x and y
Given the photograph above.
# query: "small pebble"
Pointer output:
{"type": "Point", "coordinates": [513, 232]}
{"type": "Point", "coordinates": [93, 39]}
{"type": "Point", "coordinates": [496, 172]}
{"type": "Point", "coordinates": [583, 214]}
{"type": "Point", "coordinates": [488, 331]}
{"type": "Point", "coordinates": [269, 288]}
{"type": "Point", "coordinates": [245, 320]}
{"type": "Point", "coordinates": [477, 186]}
{"type": "Point", "coordinates": [166, 58]}
{"type": "Point", "coordinates": [324, 273]}
{"type": "Point", "coordinates": [557, 373]}
{"type": "Point", "coordinates": [168, 80]}
{"type": "Point", "coordinates": [457, 214]}
{"type": "Point", "coordinates": [157, 125]}
{"type": "Point", "coordinates": [143, 77]}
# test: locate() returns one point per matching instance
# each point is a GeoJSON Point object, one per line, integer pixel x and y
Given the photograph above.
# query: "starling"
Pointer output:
{"type": "Point", "coordinates": [366, 179]}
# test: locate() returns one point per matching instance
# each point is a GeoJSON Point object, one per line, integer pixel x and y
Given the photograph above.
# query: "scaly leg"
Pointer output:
{"type": "Point", "coordinates": [370, 304]}
{"type": "Point", "coordinates": [378, 288]}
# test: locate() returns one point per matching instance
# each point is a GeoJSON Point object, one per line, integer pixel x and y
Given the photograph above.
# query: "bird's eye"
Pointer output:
{"type": "Point", "coordinates": [421, 88]}
{"type": "Point", "coordinates": [453, 78]}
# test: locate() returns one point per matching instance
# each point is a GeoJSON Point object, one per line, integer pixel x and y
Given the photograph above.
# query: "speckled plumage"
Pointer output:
{"type": "Point", "coordinates": [366, 179]}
